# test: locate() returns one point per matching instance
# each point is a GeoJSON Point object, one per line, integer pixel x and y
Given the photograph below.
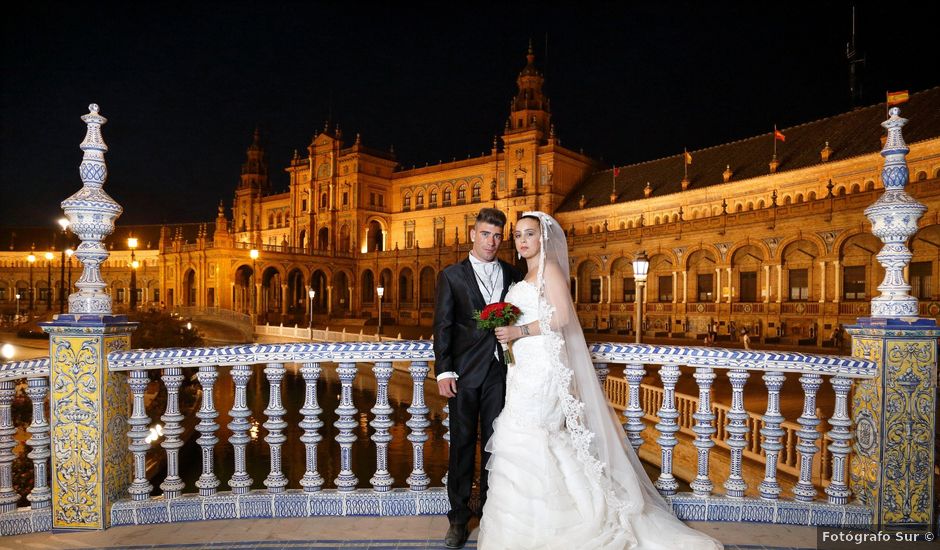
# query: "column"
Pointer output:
{"type": "Point", "coordinates": [609, 290]}
{"type": "Point", "coordinates": [717, 285]}
{"type": "Point", "coordinates": [822, 282]}
{"type": "Point", "coordinates": [675, 289]}
{"type": "Point", "coordinates": [766, 284]}
{"type": "Point", "coordinates": [779, 283]}
{"type": "Point", "coordinates": [600, 299]}
{"type": "Point", "coordinates": [685, 287]}
{"type": "Point", "coordinates": [730, 284]}
{"type": "Point", "coordinates": [91, 465]}
{"type": "Point", "coordinates": [258, 299]}
{"type": "Point", "coordinates": [329, 300]}
{"type": "Point", "coordinates": [836, 281]}
{"type": "Point", "coordinates": [283, 299]}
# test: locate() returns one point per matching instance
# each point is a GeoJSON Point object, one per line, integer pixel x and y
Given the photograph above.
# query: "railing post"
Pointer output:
{"type": "Point", "coordinates": [41, 495]}
{"type": "Point", "coordinates": [276, 481]}
{"type": "Point", "coordinates": [311, 423]}
{"type": "Point", "coordinates": [172, 419]}
{"type": "Point", "coordinates": [704, 428]}
{"type": "Point", "coordinates": [139, 422]}
{"type": "Point", "coordinates": [8, 497]}
{"type": "Point", "coordinates": [382, 480]}
{"type": "Point", "coordinates": [769, 488]}
{"type": "Point", "coordinates": [418, 423]}
{"type": "Point", "coordinates": [735, 486]}
{"type": "Point", "coordinates": [667, 426]}
{"type": "Point", "coordinates": [804, 489]}
{"type": "Point", "coordinates": [208, 482]}
{"type": "Point", "coordinates": [634, 412]}
{"type": "Point", "coordinates": [894, 414]}
{"type": "Point", "coordinates": [346, 423]}
{"type": "Point", "coordinates": [91, 464]}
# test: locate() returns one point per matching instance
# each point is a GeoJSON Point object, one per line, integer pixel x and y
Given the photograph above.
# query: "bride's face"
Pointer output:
{"type": "Point", "coordinates": [526, 237]}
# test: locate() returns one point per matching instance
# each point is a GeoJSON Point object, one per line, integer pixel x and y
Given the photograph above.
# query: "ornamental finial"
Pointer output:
{"type": "Point", "coordinates": [894, 220]}
{"type": "Point", "coordinates": [91, 214]}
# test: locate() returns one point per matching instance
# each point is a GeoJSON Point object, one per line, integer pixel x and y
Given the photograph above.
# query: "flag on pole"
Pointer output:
{"type": "Point", "coordinates": [779, 135]}
{"type": "Point", "coordinates": [616, 171]}
{"type": "Point", "coordinates": [897, 98]}
{"type": "Point", "coordinates": [688, 158]}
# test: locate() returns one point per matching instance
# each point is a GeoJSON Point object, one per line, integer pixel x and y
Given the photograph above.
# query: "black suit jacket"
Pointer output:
{"type": "Point", "coordinates": [459, 346]}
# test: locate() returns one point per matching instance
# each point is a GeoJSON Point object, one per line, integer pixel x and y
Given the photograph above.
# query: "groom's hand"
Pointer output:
{"type": "Point", "coordinates": [447, 387]}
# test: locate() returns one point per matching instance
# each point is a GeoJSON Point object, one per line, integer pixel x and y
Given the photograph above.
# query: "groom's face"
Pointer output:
{"type": "Point", "coordinates": [486, 240]}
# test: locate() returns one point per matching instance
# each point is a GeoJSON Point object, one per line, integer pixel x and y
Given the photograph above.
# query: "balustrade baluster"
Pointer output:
{"type": "Point", "coordinates": [446, 423]}
{"type": "Point", "coordinates": [382, 480]}
{"type": "Point", "coordinates": [276, 480]}
{"type": "Point", "coordinates": [601, 371]}
{"type": "Point", "coordinates": [634, 412]}
{"type": "Point", "coordinates": [841, 437]}
{"type": "Point", "coordinates": [804, 489]}
{"type": "Point", "coordinates": [704, 428]}
{"type": "Point", "coordinates": [173, 485]}
{"type": "Point", "coordinates": [667, 426]}
{"type": "Point", "coordinates": [208, 482]}
{"type": "Point", "coordinates": [769, 488]}
{"type": "Point", "coordinates": [311, 424]}
{"type": "Point", "coordinates": [346, 423]}
{"type": "Point", "coordinates": [418, 423]}
{"type": "Point", "coordinates": [737, 433]}
{"type": "Point", "coordinates": [41, 495]}
{"type": "Point", "coordinates": [240, 482]}
{"type": "Point", "coordinates": [8, 497]}
{"type": "Point", "coordinates": [139, 422]}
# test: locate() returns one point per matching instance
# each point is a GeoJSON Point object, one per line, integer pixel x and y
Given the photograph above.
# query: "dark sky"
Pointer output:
{"type": "Point", "coordinates": [183, 86]}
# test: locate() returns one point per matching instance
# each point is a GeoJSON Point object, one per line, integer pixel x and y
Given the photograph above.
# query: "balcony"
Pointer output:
{"type": "Point", "coordinates": [781, 446]}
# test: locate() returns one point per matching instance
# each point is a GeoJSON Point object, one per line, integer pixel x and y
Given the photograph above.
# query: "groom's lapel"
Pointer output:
{"type": "Point", "coordinates": [470, 278]}
{"type": "Point", "coordinates": [508, 279]}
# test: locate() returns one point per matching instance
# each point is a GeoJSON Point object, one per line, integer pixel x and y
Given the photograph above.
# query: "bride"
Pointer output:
{"type": "Point", "coordinates": [561, 474]}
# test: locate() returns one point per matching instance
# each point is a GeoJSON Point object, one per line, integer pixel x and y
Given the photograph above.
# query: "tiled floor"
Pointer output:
{"type": "Point", "coordinates": [371, 533]}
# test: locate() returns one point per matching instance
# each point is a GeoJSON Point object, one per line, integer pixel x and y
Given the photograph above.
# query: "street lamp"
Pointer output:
{"type": "Point", "coordinates": [31, 259]}
{"type": "Point", "coordinates": [253, 254]}
{"type": "Point", "coordinates": [310, 294]}
{"type": "Point", "coordinates": [49, 257]}
{"type": "Point", "coordinates": [8, 351]}
{"type": "Point", "coordinates": [132, 244]}
{"type": "Point", "coordinates": [64, 223]}
{"type": "Point", "coordinates": [641, 266]}
{"type": "Point", "coordinates": [18, 296]}
{"type": "Point", "coordinates": [68, 255]}
{"type": "Point", "coordinates": [380, 290]}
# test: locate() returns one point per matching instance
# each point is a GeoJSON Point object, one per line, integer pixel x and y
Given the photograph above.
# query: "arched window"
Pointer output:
{"type": "Point", "coordinates": [461, 195]}
{"type": "Point", "coordinates": [406, 202]}
{"type": "Point", "coordinates": [447, 194]}
{"type": "Point", "coordinates": [432, 199]}
{"type": "Point", "coordinates": [280, 219]}
{"type": "Point", "coordinates": [476, 192]}
{"type": "Point", "coordinates": [419, 200]}
{"type": "Point", "coordinates": [271, 220]}
{"type": "Point", "coordinates": [921, 176]}
{"type": "Point", "coordinates": [324, 201]}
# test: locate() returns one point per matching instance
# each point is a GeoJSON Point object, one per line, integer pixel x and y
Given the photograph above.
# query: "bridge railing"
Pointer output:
{"type": "Point", "coordinates": [347, 495]}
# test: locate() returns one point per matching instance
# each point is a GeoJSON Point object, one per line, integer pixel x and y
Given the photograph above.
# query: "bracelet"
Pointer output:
{"type": "Point", "coordinates": [525, 330]}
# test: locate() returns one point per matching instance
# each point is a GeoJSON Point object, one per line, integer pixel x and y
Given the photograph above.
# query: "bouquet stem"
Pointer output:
{"type": "Point", "coordinates": [507, 354]}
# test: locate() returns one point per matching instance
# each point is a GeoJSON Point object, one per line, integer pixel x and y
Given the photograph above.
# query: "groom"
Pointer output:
{"type": "Point", "coordinates": [471, 359]}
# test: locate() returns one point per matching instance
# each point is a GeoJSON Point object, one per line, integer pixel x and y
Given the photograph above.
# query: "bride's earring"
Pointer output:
{"type": "Point", "coordinates": [519, 255]}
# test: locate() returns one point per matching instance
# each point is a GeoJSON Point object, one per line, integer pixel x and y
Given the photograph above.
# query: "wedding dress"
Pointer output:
{"type": "Point", "coordinates": [561, 475]}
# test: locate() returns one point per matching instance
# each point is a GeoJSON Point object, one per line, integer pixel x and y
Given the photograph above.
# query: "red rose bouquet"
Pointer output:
{"type": "Point", "coordinates": [500, 314]}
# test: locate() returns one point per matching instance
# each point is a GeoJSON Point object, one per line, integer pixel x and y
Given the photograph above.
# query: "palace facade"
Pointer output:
{"type": "Point", "coordinates": [744, 235]}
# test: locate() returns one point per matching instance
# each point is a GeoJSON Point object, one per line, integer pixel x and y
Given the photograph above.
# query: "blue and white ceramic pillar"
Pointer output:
{"type": "Point", "coordinates": [91, 462]}
{"type": "Point", "coordinates": [894, 414]}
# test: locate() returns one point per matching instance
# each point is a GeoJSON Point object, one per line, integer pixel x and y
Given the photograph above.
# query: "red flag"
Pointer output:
{"type": "Point", "coordinates": [616, 171]}
{"type": "Point", "coordinates": [897, 98]}
{"type": "Point", "coordinates": [779, 135]}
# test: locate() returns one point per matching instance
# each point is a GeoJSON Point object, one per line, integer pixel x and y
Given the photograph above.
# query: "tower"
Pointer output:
{"type": "Point", "coordinates": [530, 109]}
{"type": "Point", "coordinates": [252, 186]}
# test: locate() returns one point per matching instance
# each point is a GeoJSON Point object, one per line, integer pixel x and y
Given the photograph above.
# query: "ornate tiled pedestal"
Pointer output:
{"type": "Point", "coordinates": [895, 413]}
{"type": "Point", "coordinates": [91, 463]}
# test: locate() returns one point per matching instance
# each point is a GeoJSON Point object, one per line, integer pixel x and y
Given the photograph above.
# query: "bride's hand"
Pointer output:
{"type": "Point", "coordinates": [504, 335]}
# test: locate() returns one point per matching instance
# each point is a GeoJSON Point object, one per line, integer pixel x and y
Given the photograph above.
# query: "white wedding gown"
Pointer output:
{"type": "Point", "coordinates": [540, 493]}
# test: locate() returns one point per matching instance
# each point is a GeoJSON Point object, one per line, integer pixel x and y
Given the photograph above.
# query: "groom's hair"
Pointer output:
{"type": "Point", "coordinates": [492, 216]}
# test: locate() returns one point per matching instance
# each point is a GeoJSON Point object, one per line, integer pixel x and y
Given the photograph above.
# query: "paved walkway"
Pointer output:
{"type": "Point", "coordinates": [373, 533]}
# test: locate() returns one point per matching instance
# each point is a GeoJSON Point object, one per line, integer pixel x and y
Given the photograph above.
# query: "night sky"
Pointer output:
{"type": "Point", "coordinates": [183, 87]}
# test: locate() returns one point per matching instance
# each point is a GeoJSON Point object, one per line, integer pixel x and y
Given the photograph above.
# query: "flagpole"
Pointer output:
{"type": "Point", "coordinates": [775, 141]}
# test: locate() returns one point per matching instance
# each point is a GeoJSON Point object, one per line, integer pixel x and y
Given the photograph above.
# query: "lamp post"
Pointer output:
{"type": "Point", "coordinates": [49, 258]}
{"type": "Point", "coordinates": [8, 351]}
{"type": "Point", "coordinates": [253, 254]}
{"type": "Point", "coordinates": [132, 244]}
{"type": "Point", "coordinates": [31, 259]}
{"type": "Point", "coordinates": [311, 294]}
{"type": "Point", "coordinates": [64, 223]}
{"type": "Point", "coordinates": [641, 265]}
{"type": "Point", "coordinates": [18, 295]}
{"type": "Point", "coordinates": [68, 256]}
{"type": "Point", "coordinates": [380, 290]}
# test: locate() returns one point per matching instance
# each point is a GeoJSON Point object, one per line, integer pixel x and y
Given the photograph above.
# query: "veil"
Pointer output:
{"type": "Point", "coordinates": [593, 428]}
